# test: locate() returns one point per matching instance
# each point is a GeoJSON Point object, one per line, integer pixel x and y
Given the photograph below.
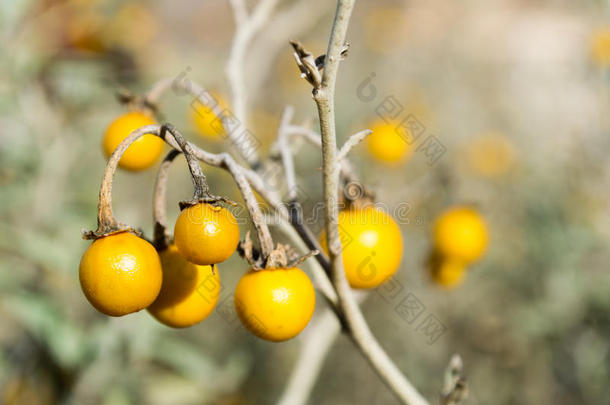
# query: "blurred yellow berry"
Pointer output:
{"type": "Point", "coordinates": [490, 155]}
{"type": "Point", "coordinates": [446, 272]}
{"type": "Point", "coordinates": [132, 26]}
{"type": "Point", "coordinates": [388, 145]}
{"type": "Point", "coordinates": [372, 246]}
{"type": "Point", "coordinates": [600, 47]}
{"type": "Point", "coordinates": [205, 121]}
{"type": "Point", "coordinates": [460, 233]}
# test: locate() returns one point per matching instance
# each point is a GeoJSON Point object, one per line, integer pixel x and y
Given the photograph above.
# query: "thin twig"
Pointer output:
{"type": "Point", "coordinates": [289, 22]}
{"type": "Point", "coordinates": [235, 132]}
{"type": "Point", "coordinates": [245, 32]}
{"type": "Point", "coordinates": [314, 138]}
{"type": "Point", "coordinates": [106, 223]}
{"type": "Point", "coordinates": [295, 208]}
{"type": "Point", "coordinates": [352, 141]}
{"type": "Point", "coordinates": [240, 11]}
{"type": "Point", "coordinates": [242, 177]}
{"type": "Point", "coordinates": [202, 190]}
{"type": "Point", "coordinates": [161, 235]}
{"type": "Point", "coordinates": [287, 160]}
{"type": "Point", "coordinates": [316, 342]}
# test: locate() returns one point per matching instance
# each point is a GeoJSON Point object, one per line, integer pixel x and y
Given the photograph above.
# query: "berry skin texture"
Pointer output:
{"type": "Point", "coordinates": [387, 146]}
{"type": "Point", "coordinates": [446, 272]}
{"type": "Point", "coordinates": [461, 233]}
{"type": "Point", "coordinates": [141, 154]}
{"type": "Point", "coordinates": [275, 304]}
{"type": "Point", "coordinates": [206, 234]}
{"type": "Point", "coordinates": [120, 274]}
{"type": "Point", "coordinates": [372, 246]}
{"type": "Point", "coordinates": [189, 292]}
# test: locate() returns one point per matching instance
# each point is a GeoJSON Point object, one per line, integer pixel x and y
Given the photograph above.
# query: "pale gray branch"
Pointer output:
{"type": "Point", "coordinates": [240, 11]}
{"type": "Point", "coordinates": [352, 141]}
{"type": "Point", "coordinates": [245, 32]}
{"type": "Point", "coordinates": [286, 153]}
{"type": "Point", "coordinates": [316, 342]}
{"type": "Point", "coordinates": [360, 331]}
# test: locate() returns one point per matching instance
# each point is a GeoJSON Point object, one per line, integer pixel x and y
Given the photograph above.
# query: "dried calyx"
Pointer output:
{"type": "Point", "coordinates": [309, 66]}
{"type": "Point", "coordinates": [282, 256]}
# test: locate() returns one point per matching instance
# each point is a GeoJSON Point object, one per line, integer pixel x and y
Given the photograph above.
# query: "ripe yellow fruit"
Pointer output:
{"type": "Point", "coordinates": [206, 234]}
{"type": "Point", "coordinates": [120, 274]}
{"type": "Point", "coordinates": [387, 145]}
{"type": "Point", "coordinates": [447, 272]}
{"type": "Point", "coordinates": [275, 304]}
{"type": "Point", "coordinates": [461, 233]}
{"type": "Point", "coordinates": [600, 47]}
{"type": "Point", "coordinates": [205, 121]}
{"type": "Point", "coordinates": [372, 246]}
{"type": "Point", "coordinates": [189, 292]}
{"type": "Point", "coordinates": [141, 154]}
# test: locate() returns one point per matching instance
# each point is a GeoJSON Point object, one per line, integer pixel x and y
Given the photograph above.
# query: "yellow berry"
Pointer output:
{"type": "Point", "coordinates": [206, 234]}
{"type": "Point", "coordinates": [189, 292]}
{"type": "Point", "coordinates": [461, 233]}
{"type": "Point", "coordinates": [372, 246]}
{"type": "Point", "coordinates": [275, 304]}
{"type": "Point", "coordinates": [141, 154]}
{"type": "Point", "coordinates": [387, 144]}
{"type": "Point", "coordinates": [120, 274]}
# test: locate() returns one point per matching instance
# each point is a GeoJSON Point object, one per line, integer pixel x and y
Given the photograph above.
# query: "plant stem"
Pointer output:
{"type": "Point", "coordinates": [246, 28]}
{"type": "Point", "coordinates": [161, 236]}
{"type": "Point", "coordinates": [202, 190]}
{"type": "Point", "coordinates": [106, 223]}
{"type": "Point", "coordinates": [360, 331]}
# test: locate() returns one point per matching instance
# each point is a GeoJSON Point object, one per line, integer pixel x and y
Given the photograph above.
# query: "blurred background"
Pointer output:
{"type": "Point", "coordinates": [515, 94]}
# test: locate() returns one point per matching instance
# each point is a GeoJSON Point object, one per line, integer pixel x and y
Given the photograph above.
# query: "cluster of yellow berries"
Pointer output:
{"type": "Point", "coordinates": [460, 238]}
{"type": "Point", "coordinates": [179, 285]}
{"type": "Point", "coordinates": [122, 273]}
